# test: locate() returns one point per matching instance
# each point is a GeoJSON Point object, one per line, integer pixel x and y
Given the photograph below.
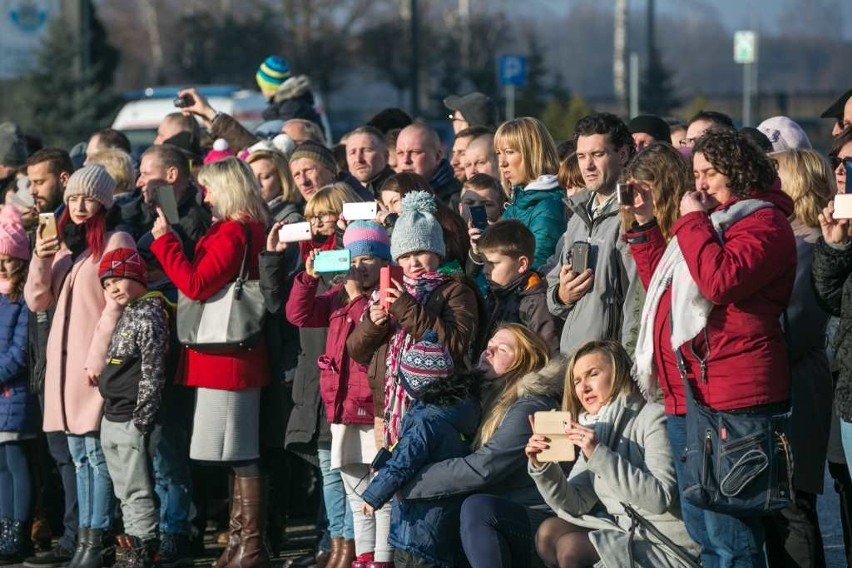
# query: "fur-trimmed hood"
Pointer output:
{"type": "Point", "coordinates": [292, 88]}
{"type": "Point", "coordinates": [548, 381]}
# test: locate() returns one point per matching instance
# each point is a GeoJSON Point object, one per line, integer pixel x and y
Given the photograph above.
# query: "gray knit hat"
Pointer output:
{"type": "Point", "coordinates": [417, 229]}
{"type": "Point", "coordinates": [91, 181]}
{"type": "Point", "coordinates": [13, 146]}
{"type": "Point", "coordinates": [316, 152]}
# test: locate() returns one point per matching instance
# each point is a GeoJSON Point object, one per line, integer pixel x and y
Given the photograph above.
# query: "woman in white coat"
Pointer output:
{"type": "Point", "coordinates": [626, 458]}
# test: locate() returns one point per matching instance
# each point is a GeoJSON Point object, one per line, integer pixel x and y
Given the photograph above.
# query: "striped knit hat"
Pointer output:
{"type": "Point", "coordinates": [272, 72]}
{"type": "Point", "coordinates": [424, 363]}
{"type": "Point", "coordinates": [367, 238]}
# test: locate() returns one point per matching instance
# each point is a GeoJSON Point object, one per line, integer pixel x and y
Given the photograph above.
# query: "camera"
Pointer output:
{"type": "Point", "coordinates": [625, 193]}
{"type": "Point", "coordinates": [184, 101]}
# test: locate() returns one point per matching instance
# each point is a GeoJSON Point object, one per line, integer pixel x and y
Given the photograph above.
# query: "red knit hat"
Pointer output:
{"type": "Point", "coordinates": [123, 263]}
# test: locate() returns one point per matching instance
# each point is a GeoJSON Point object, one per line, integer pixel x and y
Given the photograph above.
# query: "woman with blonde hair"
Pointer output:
{"type": "Point", "coordinates": [519, 380]}
{"type": "Point", "coordinates": [625, 459]}
{"type": "Point", "coordinates": [794, 534]}
{"type": "Point", "coordinates": [526, 155]}
{"type": "Point", "coordinates": [225, 423]}
{"type": "Point", "coordinates": [277, 187]}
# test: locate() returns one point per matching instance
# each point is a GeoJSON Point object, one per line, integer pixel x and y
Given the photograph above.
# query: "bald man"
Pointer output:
{"type": "Point", "coordinates": [418, 150]}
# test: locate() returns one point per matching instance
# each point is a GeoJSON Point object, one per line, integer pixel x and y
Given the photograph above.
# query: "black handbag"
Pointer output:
{"type": "Point", "coordinates": [229, 320]}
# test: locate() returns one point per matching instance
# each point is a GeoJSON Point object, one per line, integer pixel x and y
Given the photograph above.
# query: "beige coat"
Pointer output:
{"type": "Point", "coordinates": [632, 464]}
{"type": "Point", "coordinates": [81, 330]}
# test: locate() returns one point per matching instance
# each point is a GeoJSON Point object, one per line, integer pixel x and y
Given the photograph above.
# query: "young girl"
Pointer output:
{"type": "Point", "coordinates": [18, 409]}
{"type": "Point", "coordinates": [425, 299]}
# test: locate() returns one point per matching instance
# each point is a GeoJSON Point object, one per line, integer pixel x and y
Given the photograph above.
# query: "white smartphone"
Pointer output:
{"type": "Point", "coordinates": [361, 211]}
{"type": "Point", "coordinates": [843, 206]}
{"type": "Point", "coordinates": [295, 232]}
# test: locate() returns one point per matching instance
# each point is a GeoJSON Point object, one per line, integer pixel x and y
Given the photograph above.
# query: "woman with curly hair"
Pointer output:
{"type": "Point", "coordinates": [715, 296]}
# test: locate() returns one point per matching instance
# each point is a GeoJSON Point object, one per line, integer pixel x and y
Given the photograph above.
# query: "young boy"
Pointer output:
{"type": "Point", "coordinates": [516, 293]}
{"type": "Point", "coordinates": [484, 190]}
{"type": "Point", "coordinates": [131, 385]}
{"type": "Point", "coordinates": [440, 424]}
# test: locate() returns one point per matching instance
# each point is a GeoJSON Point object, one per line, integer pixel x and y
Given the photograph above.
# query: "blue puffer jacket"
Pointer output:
{"type": "Point", "coordinates": [541, 208]}
{"type": "Point", "coordinates": [429, 434]}
{"type": "Point", "coordinates": [18, 408]}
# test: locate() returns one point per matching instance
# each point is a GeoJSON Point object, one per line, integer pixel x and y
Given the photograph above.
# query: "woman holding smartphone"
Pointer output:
{"type": "Point", "coordinates": [626, 458]}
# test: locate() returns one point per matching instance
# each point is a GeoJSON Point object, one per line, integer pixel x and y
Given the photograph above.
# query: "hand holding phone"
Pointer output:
{"type": "Point", "coordinates": [387, 274]}
{"type": "Point", "coordinates": [478, 216]}
{"type": "Point", "coordinates": [625, 193]}
{"type": "Point", "coordinates": [332, 261]}
{"type": "Point", "coordinates": [295, 232]}
{"type": "Point", "coordinates": [164, 198]}
{"type": "Point", "coordinates": [47, 235]}
{"type": "Point", "coordinates": [580, 252]}
{"type": "Point", "coordinates": [553, 425]}
{"type": "Point", "coordinates": [360, 211]}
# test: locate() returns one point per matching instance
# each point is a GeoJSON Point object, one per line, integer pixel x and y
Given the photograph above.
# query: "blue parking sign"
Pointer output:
{"type": "Point", "coordinates": [513, 70]}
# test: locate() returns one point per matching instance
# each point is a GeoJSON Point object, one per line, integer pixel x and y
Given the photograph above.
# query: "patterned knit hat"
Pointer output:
{"type": "Point", "coordinates": [316, 152]}
{"type": "Point", "coordinates": [272, 72]}
{"type": "Point", "coordinates": [424, 363]}
{"type": "Point", "coordinates": [123, 263]}
{"type": "Point", "coordinates": [91, 181]}
{"type": "Point", "coordinates": [367, 238]}
{"type": "Point", "coordinates": [417, 229]}
{"type": "Point", "coordinates": [13, 237]}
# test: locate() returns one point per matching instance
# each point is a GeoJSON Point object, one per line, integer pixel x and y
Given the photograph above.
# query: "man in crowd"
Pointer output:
{"type": "Point", "coordinates": [480, 157]}
{"type": "Point", "coordinates": [647, 129]}
{"type": "Point", "coordinates": [460, 144]}
{"type": "Point", "coordinates": [841, 111]}
{"type": "Point", "coordinates": [703, 121]}
{"type": "Point", "coordinates": [418, 150]}
{"type": "Point", "coordinates": [13, 155]}
{"type": "Point", "coordinates": [367, 157]}
{"type": "Point", "coordinates": [105, 139]}
{"type": "Point", "coordinates": [599, 302]}
{"type": "Point", "coordinates": [473, 109]}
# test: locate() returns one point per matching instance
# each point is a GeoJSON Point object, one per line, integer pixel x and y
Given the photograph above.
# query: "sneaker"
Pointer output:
{"type": "Point", "coordinates": [175, 550]}
{"type": "Point", "coordinates": [56, 557]}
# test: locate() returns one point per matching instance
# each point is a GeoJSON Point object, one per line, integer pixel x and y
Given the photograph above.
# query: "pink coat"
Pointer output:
{"type": "Point", "coordinates": [82, 327]}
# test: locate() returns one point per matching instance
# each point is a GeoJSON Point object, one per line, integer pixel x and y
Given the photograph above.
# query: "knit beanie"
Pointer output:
{"type": "Point", "coordinates": [220, 151]}
{"type": "Point", "coordinates": [13, 146]}
{"type": "Point", "coordinates": [367, 238]}
{"type": "Point", "coordinates": [652, 125]}
{"type": "Point", "coordinates": [123, 263]}
{"type": "Point", "coordinates": [316, 152]}
{"type": "Point", "coordinates": [417, 229]}
{"type": "Point", "coordinates": [13, 237]}
{"type": "Point", "coordinates": [784, 133]}
{"type": "Point", "coordinates": [91, 181]}
{"type": "Point", "coordinates": [272, 72]}
{"type": "Point", "coordinates": [425, 362]}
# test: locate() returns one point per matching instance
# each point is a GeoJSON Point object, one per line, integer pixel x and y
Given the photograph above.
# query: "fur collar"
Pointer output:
{"type": "Point", "coordinates": [548, 381]}
{"type": "Point", "coordinates": [292, 88]}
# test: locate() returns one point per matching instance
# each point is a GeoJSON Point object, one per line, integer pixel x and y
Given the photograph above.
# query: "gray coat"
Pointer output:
{"type": "Point", "coordinates": [632, 464]}
{"type": "Point", "coordinates": [612, 308]}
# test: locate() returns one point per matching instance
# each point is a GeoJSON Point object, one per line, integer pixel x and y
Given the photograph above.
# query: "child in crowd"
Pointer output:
{"type": "Point", "coordinates": [426, 299]}
{"type": "Point", "coordinates": [344, 385]}
{"type": "Point", "coordinates": [18, 408]}
{"type": "Point", "coordinates": [517, 294]}
{"type": "Point", "coordinates": [485, 191]}
{"type": "Point", "coordinates": [131, 385]}
{"type": "Point", "coordinates": [440, 424]}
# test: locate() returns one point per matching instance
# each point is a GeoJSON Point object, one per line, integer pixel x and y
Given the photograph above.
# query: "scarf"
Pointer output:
{"type": "Point", "coordinates": [689, 309]}
{"type": "Point", "coordinates": [396, 399]}
{"type": "Point", "coordinates": [305, 247]}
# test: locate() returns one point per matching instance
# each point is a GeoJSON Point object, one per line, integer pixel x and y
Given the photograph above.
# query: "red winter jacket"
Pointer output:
{"type": "Point", "coordinates": [749, 279]}
{"type": "Point", "coordinates": [218, 255]}
{"type": "Point", "coordinates": [344, 384]}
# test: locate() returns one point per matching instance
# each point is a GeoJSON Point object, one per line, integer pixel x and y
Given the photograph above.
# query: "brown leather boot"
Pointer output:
{"type": "Point", "coordinates": [235, 523]}
{"type": "Point", "coordinates": [347, 555]}
{"type": "Point", "coordinates": [334, 553]}
{"type": "Point", "coordinates": [252, 551]}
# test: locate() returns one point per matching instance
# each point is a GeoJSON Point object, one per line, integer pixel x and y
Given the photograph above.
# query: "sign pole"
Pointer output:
{"type": "Point", "coordinates": [510, 102]}
{"type": "Point", "coordinates": [747, 94]}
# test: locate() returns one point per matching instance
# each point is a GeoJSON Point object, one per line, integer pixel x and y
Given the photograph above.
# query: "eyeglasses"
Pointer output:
{"type": "Point", "coordinates": [837, 160]}
{"type": "Point", "coordinates": [321, 218]}
{"type": "Point", "coordinates": [684, 142]}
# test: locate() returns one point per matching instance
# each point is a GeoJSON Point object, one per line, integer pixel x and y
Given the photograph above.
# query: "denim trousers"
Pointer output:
{"type": "Point", "coordinates": [846, 437]}
{"type": "Point", "coordinates": [726, 541]}
{"type": "Point", "coordinates": [95, 497]}
{"type": "Point", "coordinates": [16, 488]}
{"type": "Point", "coordinates": [340, 521]}
{"type": "Point", "coordinates": [172, 475]}
{"type": "Point", "coordinates": [57, 445]}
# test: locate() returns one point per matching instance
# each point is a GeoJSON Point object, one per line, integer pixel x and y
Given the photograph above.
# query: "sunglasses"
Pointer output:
{"type": "Point", "coordinates": [836, 161]}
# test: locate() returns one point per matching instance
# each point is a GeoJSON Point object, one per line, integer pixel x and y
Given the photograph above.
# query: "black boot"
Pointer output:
{"type": "Point", "coordinates": [82, 538]}
{"type": "Point", "coordinates": [5, 535]}
{"type": "Point", "coordinates": [17, 546]}
{"type": "Point", "coordinates": [93, 550]}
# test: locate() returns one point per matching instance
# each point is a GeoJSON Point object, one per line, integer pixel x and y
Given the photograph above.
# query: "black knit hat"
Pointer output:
{"type": "Point", "coordinates": [651, 124]}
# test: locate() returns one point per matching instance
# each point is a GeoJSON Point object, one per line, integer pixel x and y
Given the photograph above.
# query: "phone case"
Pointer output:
{"type": "Point", "coordinates": [552, 425]}
{"type": "Point", "coordinates": [332, 261]}
{"type": "Point", "coordinates": [167, 202]}
{"type": "Point", "coordinates": [580, 256]}
{"type": "Point", "coordinates": [295, 232]}
{"type": "Point", "coordinates": [47, 226]}
{"type": "Point", "coordinates": [386, 275]}
{"type": "Point", "coordinates": [843, 206]}
{"type": "Point", "coordinates": [624, 193]}
{"type": "Point", "coordinates": [364, 211]}
{"type": "Point", "coordinates": [478, 216]}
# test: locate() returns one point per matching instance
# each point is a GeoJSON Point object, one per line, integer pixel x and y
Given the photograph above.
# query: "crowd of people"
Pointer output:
{"type": "Point", "coordinates": [679, 293]}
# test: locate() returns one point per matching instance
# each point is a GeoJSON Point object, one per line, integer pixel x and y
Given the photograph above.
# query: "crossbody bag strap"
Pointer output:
{"type": "Point", "coordinates": [636, 520]}
{"type": "Point", "coordinates": [243, 275]}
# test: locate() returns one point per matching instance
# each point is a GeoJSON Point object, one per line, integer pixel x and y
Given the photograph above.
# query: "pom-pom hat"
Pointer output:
{"type": "Point", "coordinates": [417, 229]}
{"type": "Point", "coordinates": [220, 151]}
{"type": "Point", "coordinates": [425, 362]}
{"type": "Point", "coordinates": [367, 238]}
{"type": "Point", "coordinates": [13, 237]}
{"type": "Point", "coordinates": [272, 73]}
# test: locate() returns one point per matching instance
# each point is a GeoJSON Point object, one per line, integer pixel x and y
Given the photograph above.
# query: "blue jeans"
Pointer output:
{"type": "Point", "coordinates": [846, 437]}
{"type": "Point", "coordinates": [172, 477]}
{"type": "Point", "coordinates": [340, 522]}
{"type": "Point", "coordinates": [95, 497]}
{"type": "Point", "coordinates": [726, 541]}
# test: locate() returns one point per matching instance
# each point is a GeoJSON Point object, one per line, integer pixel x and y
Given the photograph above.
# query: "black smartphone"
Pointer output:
{"type": "Point", "coordinates": [580, 256]}
{"type": "Point", "coordinates": [848, 166]}
{"type": "Point", "coordinates": [478, 216]}
{"type": "Point", "coordinates": [381, 459]}
{"type": "Point", "coordinates": [183, 102]}
{"type": "Point", "coordinates": [625, 193]}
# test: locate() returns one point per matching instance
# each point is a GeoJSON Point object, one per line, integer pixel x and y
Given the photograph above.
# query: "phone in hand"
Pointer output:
{"type": "Point", "coordinates": [580, 252]}
{"type": "Point", "coordinates": [164, 198]}
{"type": "Point", "coordinates": [332, 261]}
{"type": "Point", "coordinates": [387, 274]}
{"type": "Point", "coordinates": [184, 101]}
{"type": "Point", "coordinates": [47, 228]}
{"type": "Point", "coordinates": [360, 211]}
{"type": "Point", "coordinates": [478, 216]}
{"type": "Point", "coordinates": [626, 193]}
{"type": "Point", "coordinates": [295, 232]}
{"type": "Point", "coordinates": [848, 167]}
{"type": "Point", "coordinates": [553, 424]}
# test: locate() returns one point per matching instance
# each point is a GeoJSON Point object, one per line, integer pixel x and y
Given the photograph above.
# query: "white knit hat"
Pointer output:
{"type": "Point", "coordinates": [91, 181]}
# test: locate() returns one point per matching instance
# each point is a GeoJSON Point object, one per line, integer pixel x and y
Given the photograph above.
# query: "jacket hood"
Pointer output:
{"type": "Point", "coordinates": [548, 381]}
{"type": "Point", "coordinates": [579, 199]}
{"type": "Point", "coordinates": [292, 88]}
{"type": "Point", "coordinates": [546, 181]}
{"type": "Point", "coordinates": [773, 195]}
{"type": "Point", "coordinates": [464, 416]}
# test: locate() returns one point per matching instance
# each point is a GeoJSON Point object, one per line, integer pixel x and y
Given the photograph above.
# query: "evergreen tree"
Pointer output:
{"type": "Point", "coordinates": [532, 97]}
{"type": "Point", "coordinates": [657, 94]}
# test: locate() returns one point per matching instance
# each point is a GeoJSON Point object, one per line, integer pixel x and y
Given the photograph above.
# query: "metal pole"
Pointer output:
{"type": "Point", "coordinates": [415, 61]}
{"type": "Point", "coordinates": [746, 94]}
{"type": "Point", "coordinates": [634, 84]}
{"type": "Point", "coordinates": [510, 102]}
